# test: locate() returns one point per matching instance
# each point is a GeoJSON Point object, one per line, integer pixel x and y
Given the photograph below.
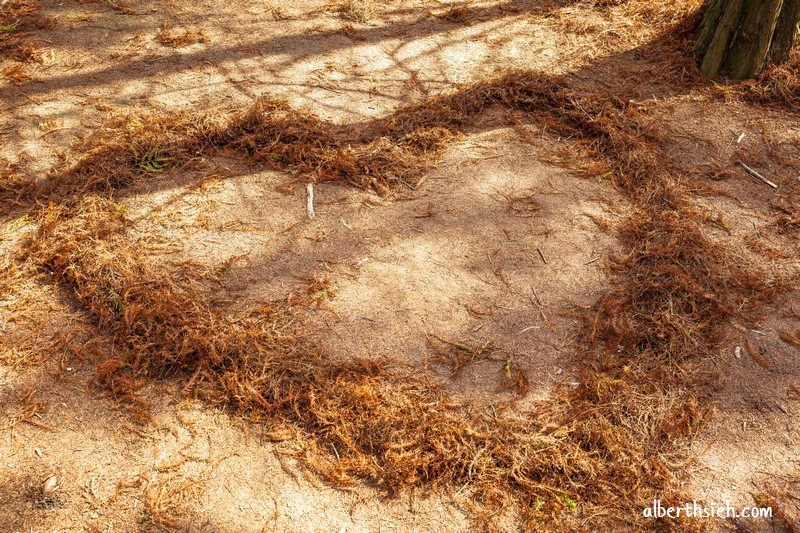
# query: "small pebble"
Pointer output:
{"type": "Point", "coordinates": [50, 485]}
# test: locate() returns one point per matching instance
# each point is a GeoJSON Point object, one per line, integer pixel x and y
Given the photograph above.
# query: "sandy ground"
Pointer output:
{"type": "Point", "coordinates": [750, 447]}
{"type": "Point", "coordinates": [453, 259]}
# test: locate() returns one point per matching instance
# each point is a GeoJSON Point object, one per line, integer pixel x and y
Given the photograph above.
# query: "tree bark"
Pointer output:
{"type": "Point", "coordinates": [786, 33]}
{"type": "Point", "coordinates": [741, 36]}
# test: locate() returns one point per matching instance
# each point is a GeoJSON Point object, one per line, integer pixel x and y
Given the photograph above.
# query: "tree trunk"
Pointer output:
{"type": "Point", "coordinates": [741, 36]}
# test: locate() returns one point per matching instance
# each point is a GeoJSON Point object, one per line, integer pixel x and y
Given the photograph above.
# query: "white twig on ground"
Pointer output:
{"type": "Point", "coordinates": [310, 204]}
{"type": "Point", "coordinates": [757, 175]}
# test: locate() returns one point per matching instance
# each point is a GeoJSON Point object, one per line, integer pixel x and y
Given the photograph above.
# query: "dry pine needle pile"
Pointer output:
{"type": "Point", "coordinates": [603, 447]}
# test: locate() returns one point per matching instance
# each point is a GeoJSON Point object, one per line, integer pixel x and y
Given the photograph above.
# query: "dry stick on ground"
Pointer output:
{"type": "Point", "coordinates": [610, 442]}
{"type": "Point", "coordinates": [756, 175]}
{"type": "Point", "coordinates": [540, 307]}
{"type": "Point", "coordinates": [310, 200]}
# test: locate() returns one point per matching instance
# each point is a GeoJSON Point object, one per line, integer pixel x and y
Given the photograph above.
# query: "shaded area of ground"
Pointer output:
{"type": "Point", "coordinates": [455, 251]}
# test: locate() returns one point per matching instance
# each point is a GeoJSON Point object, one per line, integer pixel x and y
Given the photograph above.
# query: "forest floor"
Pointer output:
{"type": "Point", "coordinates": [531, 236]}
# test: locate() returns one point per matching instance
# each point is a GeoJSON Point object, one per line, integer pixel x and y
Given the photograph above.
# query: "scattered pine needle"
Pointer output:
{"type": "Point", "coordinates": [610, 442]}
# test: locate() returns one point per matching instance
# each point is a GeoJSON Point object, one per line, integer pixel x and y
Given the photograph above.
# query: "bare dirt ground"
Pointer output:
{"type": "Point", "coordinates": [502, 246]}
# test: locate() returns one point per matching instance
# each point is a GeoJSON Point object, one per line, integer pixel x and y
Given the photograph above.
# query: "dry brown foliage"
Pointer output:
{"type": "Point", "coordinates": [16, 73]}
{"type": "Point", "coordinates": [14, 186]}
{"type": "Point", "coordinates": [17, 19]}
{"type": "Point", "coordinates": [357, 10]}
{"type": "Point", "coordinates": [605, 446]}
{"type": "Point", "coordinates": [168, 36]}
{"type": "Point", "coordinates": [778, 86]}
{"type": "Point", "coordinates": [165, 502]}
